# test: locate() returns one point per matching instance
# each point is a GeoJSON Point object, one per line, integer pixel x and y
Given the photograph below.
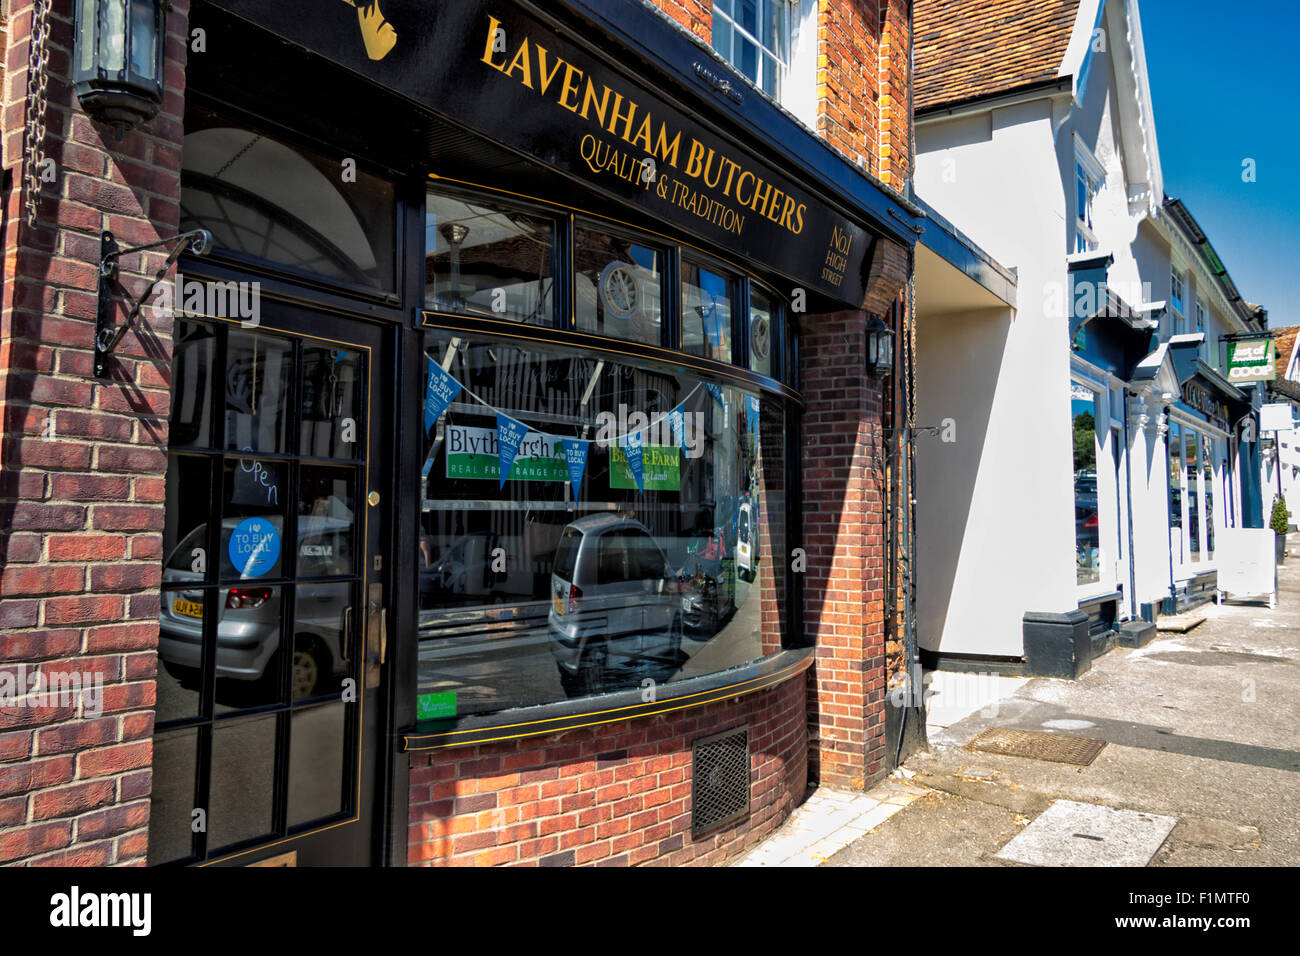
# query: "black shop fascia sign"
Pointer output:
{"type": "Point", "coordinates": [498, 69]}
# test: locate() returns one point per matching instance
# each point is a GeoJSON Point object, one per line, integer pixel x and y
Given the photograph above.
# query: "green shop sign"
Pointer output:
{"type": "Point", "coordinates": [1251, 360]}
{"type": "Point", "coordinates": [472, 453]}
{"type": "Point", "coordinates": [660, 464]}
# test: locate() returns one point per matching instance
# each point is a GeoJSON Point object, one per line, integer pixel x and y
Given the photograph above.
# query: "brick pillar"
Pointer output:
{"type": "Point", "coordinates": [848, 36]}
{"type": "Point", "coordinates": [843, 495]}
{"type": "Point", "coordinates": [82, 465]}
{"type": "Point", "coordinates": [894, 103]}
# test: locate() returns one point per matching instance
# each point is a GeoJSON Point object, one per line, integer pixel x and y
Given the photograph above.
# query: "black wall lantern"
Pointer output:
{"type": "Point", "coordinates": [117, 60]}
{"type": "Point", "coordinates": [880, 347]}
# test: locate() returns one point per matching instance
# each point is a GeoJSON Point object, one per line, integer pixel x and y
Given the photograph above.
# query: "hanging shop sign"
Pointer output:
{"type": "Point", "coordinates": [1276, 417]}
{"type": "Point", "coordinates": [497, 69]}
{"type": "Point", "coordinates": [1251, 360]}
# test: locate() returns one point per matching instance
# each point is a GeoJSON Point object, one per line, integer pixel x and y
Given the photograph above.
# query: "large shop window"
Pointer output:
{"type": "Point", "coordinates": [588, 526]}
{"type": "Point", "coordinates": [264, 200]}
{"type": "Point", "coordinates": [1087, 528]}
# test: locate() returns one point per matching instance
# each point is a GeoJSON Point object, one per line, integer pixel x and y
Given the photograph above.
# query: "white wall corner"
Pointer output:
{"type": "Point", "coordinates": [1146, 119]}
{"type": "Point", "coordinates": [1087, 20]}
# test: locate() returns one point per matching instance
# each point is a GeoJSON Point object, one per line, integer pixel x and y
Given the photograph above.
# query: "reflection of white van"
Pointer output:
{"type": "Point", "coordinates": [745, 537]}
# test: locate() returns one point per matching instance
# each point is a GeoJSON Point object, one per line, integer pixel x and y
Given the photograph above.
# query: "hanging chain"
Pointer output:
{"type": "Point", "coordinates": [37, 81]}
{"type": "Point", "coordinates": [911, 353]}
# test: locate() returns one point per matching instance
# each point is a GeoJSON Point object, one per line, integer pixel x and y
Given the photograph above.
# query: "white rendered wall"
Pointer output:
{"type": "Point", "coordinates": [996, 177]}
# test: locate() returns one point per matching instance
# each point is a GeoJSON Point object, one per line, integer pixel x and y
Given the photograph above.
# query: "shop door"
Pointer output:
{"type": "Point", "coordinates": [273, 613]}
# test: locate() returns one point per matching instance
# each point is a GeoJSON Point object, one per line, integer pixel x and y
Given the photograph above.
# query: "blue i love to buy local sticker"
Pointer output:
{"type": "Point", "coordinates": [254, 547]}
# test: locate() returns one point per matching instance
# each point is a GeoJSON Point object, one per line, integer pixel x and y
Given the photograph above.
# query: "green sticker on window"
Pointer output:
{"type": "Point", "coordinates": [435, 706]}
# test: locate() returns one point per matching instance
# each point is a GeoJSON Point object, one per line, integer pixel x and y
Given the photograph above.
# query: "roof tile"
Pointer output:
{"type": "Point", "coordinates": [970, 48]}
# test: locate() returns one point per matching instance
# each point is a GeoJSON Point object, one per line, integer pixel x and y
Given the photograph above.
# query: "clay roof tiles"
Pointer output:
{"type": "Point", "coordinates": [971, 48]}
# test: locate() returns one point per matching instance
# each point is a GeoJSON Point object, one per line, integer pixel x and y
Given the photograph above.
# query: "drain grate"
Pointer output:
{"type": "Point", "coordinates": [719, 781]}
{"type": "Point", "coordinates": [1028, 743]}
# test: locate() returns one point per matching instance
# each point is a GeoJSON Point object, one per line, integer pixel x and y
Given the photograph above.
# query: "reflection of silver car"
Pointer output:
{"type": "Point", "coordinates": [616, 611]}
{"type": "Point", "coordinates": [248, 622]}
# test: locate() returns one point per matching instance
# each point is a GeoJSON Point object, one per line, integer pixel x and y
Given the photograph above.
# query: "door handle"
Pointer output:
{"type": "Point", "coordinates": [376, 639]}
{"type": "Point", "coordinates": [346, 649]}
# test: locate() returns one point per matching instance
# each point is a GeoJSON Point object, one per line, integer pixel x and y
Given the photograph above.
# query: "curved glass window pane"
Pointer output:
{"type": "Point", "coordinates": [263, 199]}
{"type": "Point", "coordinates": [488, 260]}
{"type": "Point", "coordinates": [617, 286]}
{"type": "Point", "coordinates": [595, 565]}
{"type": "Point", "coordinates": [762, 331]}
{"type": "Point", "coordinates": [708, 303]}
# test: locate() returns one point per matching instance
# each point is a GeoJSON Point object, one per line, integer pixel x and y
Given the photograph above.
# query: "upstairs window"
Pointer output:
{"type": "Point", "coordinates": [1176, 286]}
{"type": "Point", "coordinates": [1088, 177]}
{"type": "Point", "coordinates": [754, 36]}
{"type": "Point", "coordinates": [1203, 327]}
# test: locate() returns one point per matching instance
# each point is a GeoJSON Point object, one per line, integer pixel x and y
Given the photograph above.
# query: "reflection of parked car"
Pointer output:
{"type": "Point", "coordinates": [1085, 521]}
{"type": "Point", "coordinates": [248, 616]}
{"type": "Point", "coordinates": [705, 608]}
{"type": "Point", "coordinates": [746, 539]}
{"type": "Point", "coordinates": [616, 613]}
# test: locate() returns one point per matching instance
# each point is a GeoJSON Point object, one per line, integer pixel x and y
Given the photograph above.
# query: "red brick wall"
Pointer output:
{"type": "Point", "coordinates": [82, 465]}
{"type": "Point", "coordinates": [895, 120]}
{"type": "Point", "coordinates": [847, 73]}
{"type": "Point", "coordinates": [694, 16]}
{"type": "Point", "coordinates": [863, 62]}
{"type": "Point", "coordinates": [610, 796]}
{"type": "Point", "coordinates": [844, 475]}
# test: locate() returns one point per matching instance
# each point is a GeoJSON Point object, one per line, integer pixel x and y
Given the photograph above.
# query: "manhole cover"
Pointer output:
{"type": "Point", "coordinates": [1085, 834]}
{"type": "Point", "coordinates": [1057, 748]}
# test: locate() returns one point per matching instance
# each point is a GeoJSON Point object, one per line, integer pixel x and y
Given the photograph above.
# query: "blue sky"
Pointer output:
{"type": "Point", "coordinates": [1223, 83]}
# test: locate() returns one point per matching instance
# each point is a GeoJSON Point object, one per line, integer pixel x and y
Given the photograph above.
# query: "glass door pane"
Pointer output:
{"type": "Point", "coordinates": [1177, 534]}
{"type": "Point", "coordinates": [260, 617]}
{"type": "Point", "coordinates": [1193, 508]}
{"type": "Point", "coordinates": [1087, 516]}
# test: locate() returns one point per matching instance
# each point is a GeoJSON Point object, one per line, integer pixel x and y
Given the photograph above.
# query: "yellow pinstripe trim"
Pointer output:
{"type": "Point", "coordinates": [715, 695]}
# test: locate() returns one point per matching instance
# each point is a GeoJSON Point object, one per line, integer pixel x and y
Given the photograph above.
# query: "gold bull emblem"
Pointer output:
{"type": "Point", "coordinates": [376, 32]}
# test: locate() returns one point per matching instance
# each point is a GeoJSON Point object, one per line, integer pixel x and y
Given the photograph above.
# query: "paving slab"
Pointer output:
{"type": "Point", "coordinates": [1085, 834]}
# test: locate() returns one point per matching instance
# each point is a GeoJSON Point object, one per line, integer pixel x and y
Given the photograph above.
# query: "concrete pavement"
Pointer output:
{"type": "Point", "coordinates": [1202, 727]}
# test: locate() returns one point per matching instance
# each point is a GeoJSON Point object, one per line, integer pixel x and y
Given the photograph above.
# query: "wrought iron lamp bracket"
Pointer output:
{"type": "Point", "coordinates": [108, 334]}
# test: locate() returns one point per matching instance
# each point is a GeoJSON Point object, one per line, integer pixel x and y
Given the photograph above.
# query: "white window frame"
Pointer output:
{"type": "Point", "coordinates": [1202, 325]}
{"type": "Point", "coordinates": [1109, 524]}
{"type": "Point", "coordinates": [1177, 299]}
{"type": "Point", "coordinates": [1092, 176]}
{"type": "Point", "coordinates": [1184, 566]}
{"type": "Point", "coordinates": [790, 11]}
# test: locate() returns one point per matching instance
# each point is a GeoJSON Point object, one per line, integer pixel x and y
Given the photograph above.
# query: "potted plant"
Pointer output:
{"type": "Point", "coordinates": [1279, 523]}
